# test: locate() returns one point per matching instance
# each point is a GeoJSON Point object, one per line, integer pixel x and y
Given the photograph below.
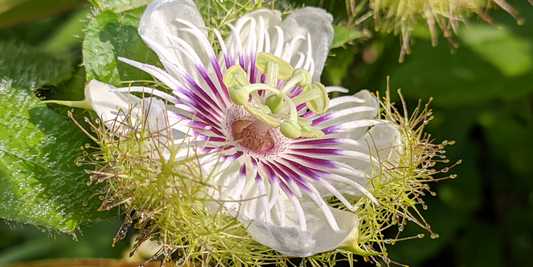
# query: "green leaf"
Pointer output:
{"type": "Point", "coordinates": [21, 11]}
{"type": "Point", "coordinates": [22, 244]}
{"type": "Point", "coordinates": [39, 181]}
{"type": "Point", "coordinates": [109, 36]}
{"type": "Point", "coordinates": [337, 64]}
{"type": "Point", "coordinates": [30, 68]}
{"type": "Point", "coordinates": [6, 5]}
{"type": "Point", "coordinates": [69, 34]}
{"type": "Point", "coordinates": [119, 5]}
{"type": "Point", "coordinates": [488, 42]}
{"type": "Point", "coordinates": [343, 35]}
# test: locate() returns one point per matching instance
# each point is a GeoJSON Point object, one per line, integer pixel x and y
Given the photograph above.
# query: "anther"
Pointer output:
{"type": "Point", "coordinates": [290, 129]}
{"type": "Point", "coordinates": [272, 74]}
{"type": "Point", "coordinates": [301, 77]}
{"type": "Point", "coordinates": [306, 129]}
{"type": "Point", "coordinates": [273, 67]}
{"type": "Point", "coordinates": [235, 75]}
{"type": "Point", "coordinates": [262, 113]}
{"type": "Point", "coordinates": [239, 95]}
{"type": "Point", "coordinates": [309, 131]}
{"type": "Point", "coordinates": [315, 96]}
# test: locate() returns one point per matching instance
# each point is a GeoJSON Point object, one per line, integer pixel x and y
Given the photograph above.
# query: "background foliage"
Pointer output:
{"type": "Point", "coordinates": [483, 99]}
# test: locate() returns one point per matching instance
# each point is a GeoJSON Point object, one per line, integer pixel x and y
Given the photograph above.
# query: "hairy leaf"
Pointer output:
{"type": "Point", "coordinates": [39, 181]}
{"type": "Point", "coordinates": [119, 5]}
{"type": "Point", "coordinates": [110, 35]}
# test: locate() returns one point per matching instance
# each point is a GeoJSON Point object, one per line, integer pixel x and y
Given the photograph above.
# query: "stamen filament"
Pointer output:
{"type": "Point", "coordinates": [304, 97]}
{"type": "Point", "coordinates": [257, 97]}
{"type": "Point", "coordinates": [259, 86]}
{"type": "Point", "coordinates": [292, 108]}
{"type": "Point", "coordinates": [301, 77]}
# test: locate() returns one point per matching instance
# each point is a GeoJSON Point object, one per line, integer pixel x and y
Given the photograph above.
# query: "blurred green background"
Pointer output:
{"type": "Point", "coordinates": [483, 99]}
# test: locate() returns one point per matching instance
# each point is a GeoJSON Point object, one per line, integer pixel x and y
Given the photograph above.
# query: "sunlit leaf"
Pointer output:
{"type": "Point", "coordinates": [39, 182]}
{"type": "Point", "coordinates": [344, 35]}
{"type": "Point", "coordinates": [110, 35]}
{"type": "Point", "coordinates": [119, 5]}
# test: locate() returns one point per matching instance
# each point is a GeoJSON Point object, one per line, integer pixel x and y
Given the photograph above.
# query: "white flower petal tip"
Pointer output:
{"type": "Point", "coordinates": [314, 24]}
{"type": "Point", "coordinates": [319, 236]}
{"type": "Point", "coordinates": [159, 21]}
{"type": "Point", "coordinates": [369, 100]}
{"type": "Point", "coordinates": [385, 142]}
{"type": "Point", "coordinates": [159, 18]}
{"type": "Point", "coordinates": [108, 104]}
{"type": "Point", "coordinates": [288, 241]}
{"type": "Point", "coordinates": [271, 19]}
{"type": "Point", "coordinates": [113, 105]}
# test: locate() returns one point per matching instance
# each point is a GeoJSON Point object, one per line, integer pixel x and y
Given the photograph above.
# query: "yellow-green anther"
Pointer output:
{"type": "Point", "coordinates": [285, 69]}
{"type": "Point", "coordinates": [304, 122]}
{"type": "Point", "coordinates": [309, 131]}
{"type": "Point", "coordinates": [261, 114]}
{"type": "Point", "coordinates": [265, 109]}
{"type": "Point", "coordinates": [238, 95]}
{"type": "Point", "coordinates": [300, 77]}
{"type": "Point", "coordinates": [235, 75]}
{"type": "Point", "coordinates": [315, 96]}
{"type": "Point", "coordinates": [272, 74]}
{"type": "Point", "coordinates": [290, 129]}
{"type": "Point", "coordinates": [275, 103]}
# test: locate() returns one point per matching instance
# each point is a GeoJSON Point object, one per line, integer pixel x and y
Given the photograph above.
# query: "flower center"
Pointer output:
{"type": "Point", "coordinates": [255, 135]}
{"type": "Point", "coordinates": [274, 107]}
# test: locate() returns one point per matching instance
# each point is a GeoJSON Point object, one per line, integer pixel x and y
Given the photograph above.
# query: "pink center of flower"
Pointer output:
{"type": "Point", "coordinates": [254, 135]}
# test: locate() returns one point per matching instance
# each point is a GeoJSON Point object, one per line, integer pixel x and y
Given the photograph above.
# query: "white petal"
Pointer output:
{"type": "Point", "coordinates": [271, 18]}
{"type": "Point", "coordinates": [330, 89]}
{"type": "Point", "coordinates": [159, 21]}
{"type": "Point", "coordinates": [314, 23]}
{"type": "Point", "coordinates": [319, 237]}
{"type": "Point", "coordinates": [106, 104]}
{"type": "Point", "coordinates": [361, 99]}
{"type": "Point", "coordinates": [384, 145]}
{"type": "Point", "coordinates": [110, 105]}
{"type": "Point", "coordinates": [384, 140]}
{"type": "Point", "coordinates": [159, 120]}
{"type": "Point", "coordinates": [295, 225]}
{"type": "Point", "coordinates": [237, 44]}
